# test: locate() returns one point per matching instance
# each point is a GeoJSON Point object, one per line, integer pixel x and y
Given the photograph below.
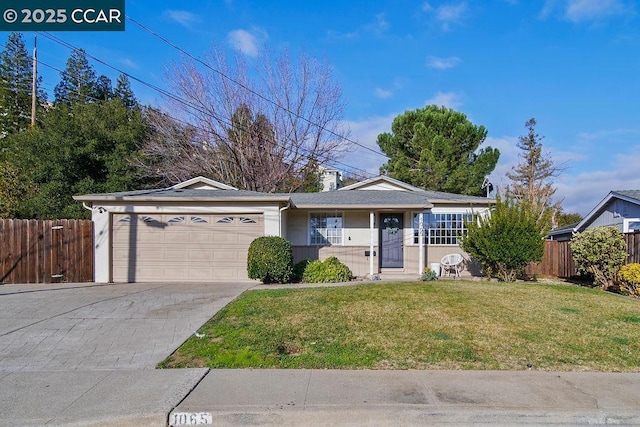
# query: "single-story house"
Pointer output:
{"type": "Point", "coordinates": [620, 209]}
{"type": "Point", "coordinates": [200, 230]}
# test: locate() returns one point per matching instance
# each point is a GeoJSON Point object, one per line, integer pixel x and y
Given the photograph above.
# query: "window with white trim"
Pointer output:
{"type": "Point", "coordinates": [440, 228]}
{"type": "Point", "coordinates": [325, 228]}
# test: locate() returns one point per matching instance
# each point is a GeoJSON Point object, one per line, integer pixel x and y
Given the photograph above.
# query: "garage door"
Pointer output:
{"type": "Point", "coordinates": [182, 247]}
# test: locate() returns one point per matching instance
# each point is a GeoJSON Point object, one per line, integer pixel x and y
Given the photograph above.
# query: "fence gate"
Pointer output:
{"type": "Point", "coordinates": [46, 251]}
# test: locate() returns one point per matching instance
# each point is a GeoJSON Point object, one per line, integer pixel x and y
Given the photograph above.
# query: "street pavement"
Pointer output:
{"type": "Point", "coordinates": [84, 354]}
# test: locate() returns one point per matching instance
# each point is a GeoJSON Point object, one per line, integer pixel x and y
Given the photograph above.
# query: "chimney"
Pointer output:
{"type": "Point", "coordinates": [331, 179]}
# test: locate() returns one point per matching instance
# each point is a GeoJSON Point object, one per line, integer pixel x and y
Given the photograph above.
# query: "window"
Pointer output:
{"type": "Point", "coordinates": [631, 225]}
{"type": "Point", "coordinates": [325, 228]}
{"type": "Point", "coordinates": [440, 228]}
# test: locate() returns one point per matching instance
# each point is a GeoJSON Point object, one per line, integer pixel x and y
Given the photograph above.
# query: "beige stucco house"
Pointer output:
{"type": "Point", "coordinates": [200, 230]}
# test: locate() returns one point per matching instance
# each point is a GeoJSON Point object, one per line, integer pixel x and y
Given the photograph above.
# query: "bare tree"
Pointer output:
{"type": "Point", "coordinates": [531, 179]}
{"type": "Point", "coordinates": [259, 129]}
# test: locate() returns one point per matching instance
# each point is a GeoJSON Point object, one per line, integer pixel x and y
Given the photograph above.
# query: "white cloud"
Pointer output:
{"type": "Point", "coordinates": [582, 192]}
{"type": "Point", "coordinates": [382, 93]}
{"type": "Point", "coordinates": [589, 10]}
{"type": "Point", "coordinates": [365, 132]}
{"type": "Point", "coordinates": [446, 99]}
{"type": "Point", "coordinates": [129, 63]}
{"type": "Point", "coordinates": [579, 192]}
{"type": "Point", "coordinates": [379, 25]}
{"type": "Point", "coordinates": [442, 63]}
{"type": "Point", "coordinates": [579, 11]}
{"type": "Point", "coordinates": [182, 17]}
{"type": "Point", "coordinates": [245, 41]}
{"type": "Point", "coordinates": [447, 14]}
{"type": "Point", "coordinates": [338, 36]}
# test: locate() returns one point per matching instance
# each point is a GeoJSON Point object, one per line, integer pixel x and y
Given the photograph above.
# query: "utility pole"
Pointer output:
{"type": "Point", "coordinates": [34, 81]}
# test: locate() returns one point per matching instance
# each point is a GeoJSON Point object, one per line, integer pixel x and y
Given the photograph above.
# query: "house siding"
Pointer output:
{"type": "Point", "coordinates": [614, 214]}
{"type": "Point", "coordinates": [356, 228]}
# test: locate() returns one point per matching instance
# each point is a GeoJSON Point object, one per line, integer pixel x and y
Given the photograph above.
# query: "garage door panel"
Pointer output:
{"type": "Point", "coordinates": [175, 255]}
{"type": "Point", "coordinates": [225, 273]}
{"type": "Point", "coordinates": [201, 237]}
{"type": "Point", "coordinates": [174, 236]}
{"type": "Point", "coordinates": [228, 238]}
{"type": "Point", "coordinates": [170, 247]}
{"type": "Point", "coordinates": [203, 255]}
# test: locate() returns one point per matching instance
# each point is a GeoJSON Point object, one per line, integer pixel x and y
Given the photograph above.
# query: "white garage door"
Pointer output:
{"type": "Point", "coordinates": [182, 247]}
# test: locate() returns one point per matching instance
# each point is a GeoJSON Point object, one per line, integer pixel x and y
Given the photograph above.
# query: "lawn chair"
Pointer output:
{"type": "Point", "coordinates": [451, 263]}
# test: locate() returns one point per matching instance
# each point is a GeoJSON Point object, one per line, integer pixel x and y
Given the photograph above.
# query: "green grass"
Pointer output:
{"type": "Point", "coordinates": [422, 325]}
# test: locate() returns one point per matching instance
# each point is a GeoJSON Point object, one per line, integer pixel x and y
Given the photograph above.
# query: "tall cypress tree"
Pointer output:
{"type": "Point", "coordinates": [78, 82]}
{"type": "Point", "coordinates": [15, 86]}
{"type": "Point", "coordinates": [124, 92]}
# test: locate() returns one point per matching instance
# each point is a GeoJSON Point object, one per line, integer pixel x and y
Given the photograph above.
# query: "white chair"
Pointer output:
{"type": "Point", "coordinates": [451, 263]}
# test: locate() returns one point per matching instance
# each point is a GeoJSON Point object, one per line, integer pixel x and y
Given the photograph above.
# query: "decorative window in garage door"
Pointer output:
{"type": "Point", "coordinates": [241, 219]}
{"type": "Point", "coordinates": [198, 220]}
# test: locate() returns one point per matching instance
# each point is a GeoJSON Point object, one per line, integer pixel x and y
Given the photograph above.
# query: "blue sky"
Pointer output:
{"type": "Point", "coordinates": [572, 64]}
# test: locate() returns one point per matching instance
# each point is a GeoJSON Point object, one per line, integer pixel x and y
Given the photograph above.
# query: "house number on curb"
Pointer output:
{"type": "Point", "coordinates": [190, 418]}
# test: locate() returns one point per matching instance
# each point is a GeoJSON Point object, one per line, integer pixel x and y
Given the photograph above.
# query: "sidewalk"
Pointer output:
{"type": "Point", "coordinates": [336, 397]}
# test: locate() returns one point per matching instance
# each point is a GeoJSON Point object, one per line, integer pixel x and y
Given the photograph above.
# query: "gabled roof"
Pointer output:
{"type": "Point", "coordinates": [565, 229]}
{"type": "Point", "coordinates": [202, 183]}
{"type": "Point", "coordinates": [380, 183]}
{"type": "Point", "coordinates": [631, 196]}
{"type": "Point", "coordinates": [184, 195]}
{"type": "Point", "coordinates": [376, 193]}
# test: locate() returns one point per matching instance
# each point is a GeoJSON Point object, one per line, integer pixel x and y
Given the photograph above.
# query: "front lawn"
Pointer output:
{"type": "Point", "coordinates": [422, 325]}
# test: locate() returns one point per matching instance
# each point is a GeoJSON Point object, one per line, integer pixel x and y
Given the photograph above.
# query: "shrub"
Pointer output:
{"type": "Point", "coordinates": [270, 260]}
{"type": "Point", "coordinates": [601, 252]}
{"type": "Point", "coordinates": [299, 268]}
{"type": "Point", "coordinates": [629, 276]}
{"type": "Point", "coordinates": [429, 275]}
{"type": "Point", "coordinates": [505, 241]}
{"type": "Point", "coordinates": [330, 270]}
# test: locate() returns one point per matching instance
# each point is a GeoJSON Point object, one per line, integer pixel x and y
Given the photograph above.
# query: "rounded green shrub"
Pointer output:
{"type": "Point", "coordinates": [330, 270]}
{"type": "Point", "coordinates": [270, 260]}
{"type": "Point", "coordinates": [600, 251]}
{"type": "Point", "coordinates": [629, 276]}
{"type": "Point", "coordinates": [299, 268]}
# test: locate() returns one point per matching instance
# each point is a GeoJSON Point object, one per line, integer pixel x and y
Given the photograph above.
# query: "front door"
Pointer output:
{"type": "Point", "coordinates": [391, 240]}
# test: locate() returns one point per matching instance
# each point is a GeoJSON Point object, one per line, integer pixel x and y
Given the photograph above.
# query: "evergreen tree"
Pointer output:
{"type": "Point", "coordinates": [531, 179]}
{"type": "Point", "coordinates": [124, 92]}
{"type": "Point", "coordinates": [89, 151]}
{"type": "Point", "coordinates": [436, 148]}
{"type": "Point", "coordinates": [78, 82]}
{"type": "Point", "coordinates": [104, 88]}
{"type": "Point", "coordinates": [15, 86]}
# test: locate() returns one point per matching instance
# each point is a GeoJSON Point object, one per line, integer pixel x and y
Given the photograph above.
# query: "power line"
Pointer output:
{"type": "Point", "coordinates": [187, 103]}
{"type": "Point", "coordinates": [264, 98]}
{"type": "Point", "coordinates": [178, 99]}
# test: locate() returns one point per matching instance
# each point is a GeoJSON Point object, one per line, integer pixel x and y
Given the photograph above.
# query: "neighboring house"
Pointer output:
{"type": "Point", "coordinates": [200, 230]}
{"type": "Point", "coordinates": [619, 209]}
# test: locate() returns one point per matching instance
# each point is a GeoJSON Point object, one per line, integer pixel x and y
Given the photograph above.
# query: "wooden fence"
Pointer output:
{"type": "Point", "coordinates": [46, 251]}
{"type": "Point", "coordinates": [558, 261]}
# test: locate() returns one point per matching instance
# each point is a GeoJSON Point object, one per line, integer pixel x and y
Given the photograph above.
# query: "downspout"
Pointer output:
{"type": "Point", "coordinates": [282, 209]}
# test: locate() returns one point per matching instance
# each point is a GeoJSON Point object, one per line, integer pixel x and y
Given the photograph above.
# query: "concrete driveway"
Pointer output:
{"type": "Point", "coordinates": [97, 327]}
